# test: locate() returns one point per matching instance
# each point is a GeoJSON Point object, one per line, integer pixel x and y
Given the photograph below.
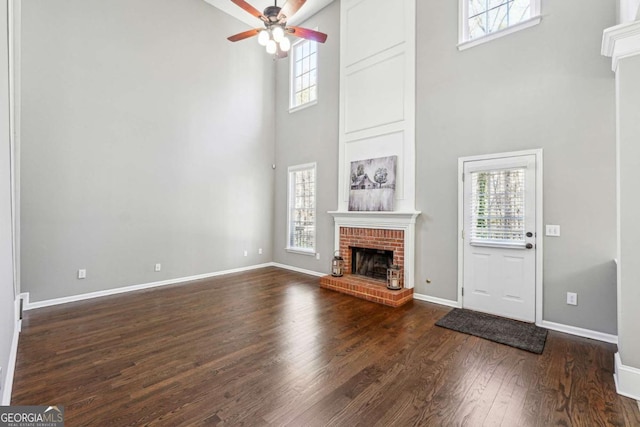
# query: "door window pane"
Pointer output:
{"type": "Point", "coordinates": [497, 206]}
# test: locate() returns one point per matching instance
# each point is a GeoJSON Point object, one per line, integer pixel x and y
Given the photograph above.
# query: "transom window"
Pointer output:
{"type": "Point", "coordinates": [497, 207]}
{"type": "Point", "coordinates": [483, 18]}
{"type": "Point", "coordinates": [302, 209]}
{"type": "Point", "coordinates": [304, 74]}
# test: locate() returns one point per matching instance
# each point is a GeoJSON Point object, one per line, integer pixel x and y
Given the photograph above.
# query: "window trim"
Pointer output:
{"type": "Point", "coordinates": [463, 29]}
{"type": "Point", "coordinates": [290, 170]}
{"type": "Point", "coordinates": [292, 63]}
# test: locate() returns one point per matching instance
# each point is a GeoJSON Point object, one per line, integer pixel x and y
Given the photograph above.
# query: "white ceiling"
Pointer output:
{"type": "Point", "coordinates": [306, 11]}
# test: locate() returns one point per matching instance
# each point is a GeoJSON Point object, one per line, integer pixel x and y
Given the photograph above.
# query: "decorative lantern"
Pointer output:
{"type": "Point", "coordinates": [337, 265]}
{"type": "Point", "coordinates": [394, 276]}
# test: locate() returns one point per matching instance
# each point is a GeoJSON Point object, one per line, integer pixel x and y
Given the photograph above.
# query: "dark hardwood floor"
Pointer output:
{"type": "Point", "coordinates": [269, 347]}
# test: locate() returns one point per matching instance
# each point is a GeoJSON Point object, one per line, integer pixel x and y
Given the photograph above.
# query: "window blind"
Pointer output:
{"type": "Point", "coordinates": [497, 206]}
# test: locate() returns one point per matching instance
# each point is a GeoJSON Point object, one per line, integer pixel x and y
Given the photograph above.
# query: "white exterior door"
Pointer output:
{"type": "Point", "coordinates": [499, 236]}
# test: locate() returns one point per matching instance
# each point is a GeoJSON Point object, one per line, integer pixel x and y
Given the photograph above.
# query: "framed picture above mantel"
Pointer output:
{"type": "Point", "coordinates": [373, 184]}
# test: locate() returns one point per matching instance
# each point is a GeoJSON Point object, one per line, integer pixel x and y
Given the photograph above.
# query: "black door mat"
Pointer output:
{"type": "Point", "coordinates": [525, 336]}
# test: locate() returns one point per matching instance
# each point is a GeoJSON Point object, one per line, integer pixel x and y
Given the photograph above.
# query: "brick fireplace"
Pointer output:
{"type": "Point", "coordinates": [372, 127]}
{"type": "Point", "coordinates": [371, 238]}
{"type": "Point", "coordinates": [385, 231]}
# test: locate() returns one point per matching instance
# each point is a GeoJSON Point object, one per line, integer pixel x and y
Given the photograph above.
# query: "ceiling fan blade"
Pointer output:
{"type": "Point", "coordinates": [252, 10]}
{"type": "Point", "coordinates": [244, 35]}
{"type": "Point", "coordinates": [308, 34]}
{"type": "Point", "coordinates": [289, 8]}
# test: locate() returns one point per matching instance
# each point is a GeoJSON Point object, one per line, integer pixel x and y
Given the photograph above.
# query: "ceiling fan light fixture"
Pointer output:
{"type": "Point", "coordinates": [277, 32]}
{"type": "Point", "coordinates": [285, 44]}
{"type": "Point", "coordinates": [273, 34]}
{"type": "Point", "coordinates": [271, 47]}
{"type": "Point", "coordinates": [263, 37]}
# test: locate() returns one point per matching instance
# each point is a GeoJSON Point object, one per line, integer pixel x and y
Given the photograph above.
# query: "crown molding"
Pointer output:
{"type": "Point", "coordinates": [621, 41]}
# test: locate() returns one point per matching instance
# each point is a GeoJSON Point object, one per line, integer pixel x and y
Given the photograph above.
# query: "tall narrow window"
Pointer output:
{"type": "Point", "coordinates": [483, 18]}
{"type": "Point", "coordinates": [302, 209]}
{"type": "Point", "coordinates": [304, 74]}
{"type": "Point", "coordinates": [497, 207]}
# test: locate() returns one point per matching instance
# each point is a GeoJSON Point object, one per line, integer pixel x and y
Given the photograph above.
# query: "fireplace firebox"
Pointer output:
{"type": "Point", "coordinates": [372, 263]}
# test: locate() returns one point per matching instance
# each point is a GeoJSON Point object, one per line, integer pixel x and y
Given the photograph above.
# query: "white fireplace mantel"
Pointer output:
{"type": "Point", "coordinates": [391, 220]}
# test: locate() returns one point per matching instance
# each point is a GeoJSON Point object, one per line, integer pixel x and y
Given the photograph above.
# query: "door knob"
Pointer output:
{"type": "Point", "coordinates": [529, 234]}
{"type": "Point", "coordinates": [528, 246]}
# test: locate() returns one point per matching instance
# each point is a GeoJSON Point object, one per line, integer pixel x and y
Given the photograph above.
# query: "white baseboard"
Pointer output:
{"type": "Point", "coordinates": [46, 303]}
{"type": "Point", "coordinates": [574, 330]}
{"type": "Point", "coordinates": [436, 300]}
{"type": "Point", "coordinates": [299, 270]}
{"type": "Point", "coordinates": [627, 379]}
{"type": "Point", "coordinates": [13, 354]}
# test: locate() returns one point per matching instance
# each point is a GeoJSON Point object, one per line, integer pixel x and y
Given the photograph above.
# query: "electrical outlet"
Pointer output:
{"type": "Point", "coordinates": [572, 298]}
{"type": "Point", "coordinates": [246, 253]}
{"type": "Point", "coordinates": [82, 273]}
{"type": "Point", "coordinates": [260, 251]}
{"type": "Point", "coordinates": [158, 267]}
{"type": "Point", "coordinates": [553, 230]}
{"type": "Point", "coordinates": [318, 256]}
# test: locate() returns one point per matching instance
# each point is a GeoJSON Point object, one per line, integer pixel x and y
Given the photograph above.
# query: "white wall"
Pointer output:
{"type": "Point", "coordinates": [310, 135]}
{"type": "Point", "coordinates": [147, 135]}
{"type": "Point", "coordinates": [378, 94]}
{"type": "Point", "coordinates": [7, 315]}
{"type": "Point", "coordinates": [629, 135]}
{"type": "Point", "coordinates": [544, 87]}
{"type": "Point", "coordinates": [147, 138]}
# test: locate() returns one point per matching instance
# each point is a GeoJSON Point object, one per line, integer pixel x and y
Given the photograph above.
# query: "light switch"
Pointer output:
{"type": "Point", "coordinates": [553, 230]}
